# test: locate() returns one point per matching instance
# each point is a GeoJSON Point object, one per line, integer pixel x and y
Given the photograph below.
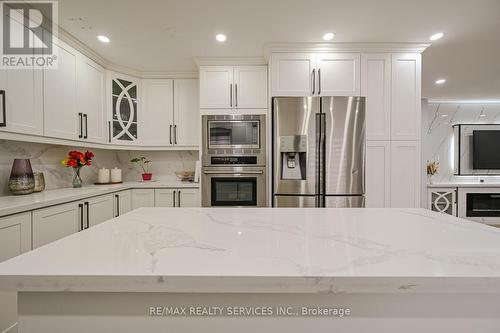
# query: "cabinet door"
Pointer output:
{"type": "Point", "coordinates": [338, 74]}
{"type": "Point", "coordinates": [53, 223]}
{"type": "Point", "coordinates": [158, 112]}
{"type": "Point", "coordinates": [90, 99]}
{"type": "Point", "coordinates": [122, 202]}
{"type": "Point", "coordinates": [165, 197]}
{"type": "Point", "coordinates": [292, 74]}
{"type": "Point", "coordinates": [125, 113]}
{"type": "Point", "coordinates": [376, 87]}
{"type": "Point", "coordinates": [100, 209]}
{"type": "Point", "coordinates": [59, 103]}
{"type": "Point", "coordinates": [187, 120]}
{"type": "Point", "coordinates": [406, 168]}
{"type": "Point", "coordinates": [188, 197]}
{"type": "Point", "coordinates": [216, 87]}
{"type": "Point", "coordinates": [15, 235]}
{"type": "Point", "coordinates": [442, 200]}
{"type": "Point", "coordinates": [406, 94]}
{"type": "Point", "coordinates": [378, 173]}
{"type": "Point", "coordinates": [250, 87]}
{"type": "Point", "coordinates": [143, 198]}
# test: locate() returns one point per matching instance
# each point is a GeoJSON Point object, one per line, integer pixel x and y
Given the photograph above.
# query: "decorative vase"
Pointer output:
{"type": "Point", "coordinates": [77, 180]}
{"type": "Point", "coordinates": [39, 181]}
{"type": "Point", "coordinates": [430, 179]}
{"type": "Point", "coordinates": [21, 179]}
{"type": "Point", "coordinates": [147, 176]}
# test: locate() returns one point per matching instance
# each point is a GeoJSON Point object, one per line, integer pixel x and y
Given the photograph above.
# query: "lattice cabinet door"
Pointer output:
{"type": "Point", "coordinates": [443, 200]}
{"type": "Point", "coordinates": [123, 126]}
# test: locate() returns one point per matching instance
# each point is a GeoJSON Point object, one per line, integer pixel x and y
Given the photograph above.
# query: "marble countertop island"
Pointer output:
{"type": "Point", "coordinates": [266, 250]}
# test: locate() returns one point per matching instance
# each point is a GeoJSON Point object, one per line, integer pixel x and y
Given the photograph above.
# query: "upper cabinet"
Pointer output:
{"type": "Point", "coordinates": [90, 100]}
{"type": "Point", "coordinates": [171, 116]}
{"type": "Point", "coordinates": [303, 74]}
{"type": "Point", "coordinates": [59, 96]}
{"type": "Point", "coordinates": [123, 125]}
{"type": "Point", "coordinates": [233, 87]}
{"type": "Point", "coordinates": [406, 97]}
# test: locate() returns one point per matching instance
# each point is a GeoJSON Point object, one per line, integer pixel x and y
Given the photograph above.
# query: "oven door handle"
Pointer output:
{"type": "Point", "coordinates": [233, 173]}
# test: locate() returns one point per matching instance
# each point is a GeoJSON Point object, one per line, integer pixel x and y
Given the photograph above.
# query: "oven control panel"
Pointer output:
{"type": "Point", "coordinates": [233, 160]}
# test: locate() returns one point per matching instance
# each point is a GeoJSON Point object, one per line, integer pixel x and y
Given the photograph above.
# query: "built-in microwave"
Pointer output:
{"type": "Point", "coordinates": [234, 136]}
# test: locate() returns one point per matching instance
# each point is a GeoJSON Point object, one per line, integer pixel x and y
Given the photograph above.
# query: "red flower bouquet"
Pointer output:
{"type": "Point", "coordinates": [77, 160]}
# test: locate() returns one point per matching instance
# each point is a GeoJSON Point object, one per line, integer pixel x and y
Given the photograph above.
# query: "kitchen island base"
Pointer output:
{"type": "Point", "coordinates": [82, 312]}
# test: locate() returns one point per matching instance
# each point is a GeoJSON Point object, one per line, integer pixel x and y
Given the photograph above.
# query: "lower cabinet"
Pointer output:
{"type": "Point", "coordinates": [177, 197]}
{"type": "Point", "coordinates": [53, 223]}
{"type": "Point", "coordinates": [98, 209]}
{"type": "Point", "coordinates": [143, 198]}
{"type": "Point", "coordinates": [442, 200]}
{"type": "Point", "coordinates": [122, 202]}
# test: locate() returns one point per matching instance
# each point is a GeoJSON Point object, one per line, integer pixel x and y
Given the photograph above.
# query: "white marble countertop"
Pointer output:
{"type": "Point", "coordinates": [20, 203]}
{"type": "Point", "coordinates": [267, 250]}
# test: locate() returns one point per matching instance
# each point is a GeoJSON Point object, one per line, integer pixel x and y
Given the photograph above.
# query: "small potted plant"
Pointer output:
{"type": "Point", "coordinates": [143, 162]}
{"type": "Point", "coordinates": [432, 169]}
{"type": "Point", "coordinates": [77, 160]}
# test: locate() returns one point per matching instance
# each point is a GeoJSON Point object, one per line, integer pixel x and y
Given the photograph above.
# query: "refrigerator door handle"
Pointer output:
{"type": "Point", "coordinates": [318, 158]}
{"type": "Point", "coordinates": [322, 165]}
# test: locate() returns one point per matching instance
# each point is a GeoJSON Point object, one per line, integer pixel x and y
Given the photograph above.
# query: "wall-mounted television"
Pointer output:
{"type": "Point", "coordinates": [486, 149]}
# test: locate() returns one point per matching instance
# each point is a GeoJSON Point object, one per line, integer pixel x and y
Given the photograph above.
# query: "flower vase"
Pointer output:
{"type": "Point", "coordinates": [430, 179]}
{"type": "Point", "coordinates": [77, 180]}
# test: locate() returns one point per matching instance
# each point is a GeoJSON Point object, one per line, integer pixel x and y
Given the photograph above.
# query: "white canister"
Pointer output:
{"type": "Point", "coordinates": [103, 176]}
{"type": "Point", "coordinates": [116, 175]}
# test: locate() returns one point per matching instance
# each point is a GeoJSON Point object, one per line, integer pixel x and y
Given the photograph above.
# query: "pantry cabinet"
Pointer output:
{"type": "Point", "coordinates": [233, 87]}
{"type": "Point", "coordinates": [90, 100]}
{"type": "Point", "coordinates": [406, 168]}
{"type": "Point", "coordinates": [122, 202]}
{"type": "Point", "coordinates": [378, 174]}
{"type": "Point", "coordinates": [59, 96]}
{"type": "Point", "coordinates": [309, 74]}
{"type": "Point", "coordinates": [178, 197]}
{"type": "Point", "coordinates": [143, 198]}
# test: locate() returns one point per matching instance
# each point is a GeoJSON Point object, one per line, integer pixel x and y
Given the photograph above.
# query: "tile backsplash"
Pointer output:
{"type": "Point", "coordinates": [47, 158]}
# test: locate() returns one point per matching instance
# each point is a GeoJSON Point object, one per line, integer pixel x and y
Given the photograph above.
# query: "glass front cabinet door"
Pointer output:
{"type": "Point", "coordinates": [123, 125]}
{"type": "Point", "coordinates": [443, 200]}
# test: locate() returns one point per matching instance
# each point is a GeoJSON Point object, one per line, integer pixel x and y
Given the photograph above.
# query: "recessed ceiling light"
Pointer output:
{"type": "Point", "coordinates": [328, 36]}
{"type": "Point", "coordinates": [440, 81]}
{"type": "Point", "coordinates": [103, 39]}
{"type": "Point", "coordinates": [220, 37]}
{"type": "Point", "coordinates": [436, 36]}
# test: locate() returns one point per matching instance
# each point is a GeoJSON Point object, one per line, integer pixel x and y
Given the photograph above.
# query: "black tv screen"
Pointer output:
{"type": "Point", "coordinates": [486, 150]}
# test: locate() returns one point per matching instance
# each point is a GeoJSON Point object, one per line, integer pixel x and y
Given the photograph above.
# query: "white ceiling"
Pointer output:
{"type": "Point", "coordinates": [156, 35]}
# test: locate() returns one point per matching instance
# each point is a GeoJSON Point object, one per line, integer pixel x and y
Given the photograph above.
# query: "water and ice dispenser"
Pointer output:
{"type": "Point", "coordinates": [293, 150]}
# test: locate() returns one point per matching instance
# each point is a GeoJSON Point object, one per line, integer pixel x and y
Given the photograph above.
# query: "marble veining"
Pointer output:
{"type": "Point", "coordinates": [267, 250]}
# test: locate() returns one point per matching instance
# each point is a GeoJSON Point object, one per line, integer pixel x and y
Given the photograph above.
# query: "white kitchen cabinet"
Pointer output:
{"type": "Point", "coordinates": [158, 112]}
{"type": "Point", "coordinates": [406, 168]}
{"type": "Point", "coordinates": [122, 202]}
{"type": "Point", "coordinates": [23, 100]}
{"type": "Point", "coordinates": [233, 87]}
{"type": "Point", "coordinates": [15, 235]}
{"type": "Point", "coordinates": [53, 223]}
{"type": "Point", "coordinates": [90, 100]}
{"type": "Point", "coordinates": [178, 197]}
{"type": "Point", "coordinates": [216, 87]}
{"type": "Point", "coordinates": [406, 97]}
{"type": "Point", "coordinates": [99, 209]}
{"type": "Point", "coordinates": [143, 198]}
{"type": "Point", "coordinates": [292, 74]}
{"type": "Point", "coordinates": [250, 87]}
{"type": "Point", "coordinates": [378, 174]}
{"type": "Point", "coordinates": [123, 108]}
{"type": "Point", "coordinates": [187, 121]}
{"type": "Point", "coordinates": [442, 200]}
{"type": "Point", "coordinates": [376, 87]}
{"type": "Point", "coordinates": [59, 96]}
{"type": "Point", "coordinates": [338, 74]}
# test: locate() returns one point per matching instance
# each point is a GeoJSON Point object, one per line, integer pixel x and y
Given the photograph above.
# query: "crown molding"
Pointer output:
{"type": "Point", "coordinates": [230, 61]}
{"type": "Point", "coordinates": [344, 47]}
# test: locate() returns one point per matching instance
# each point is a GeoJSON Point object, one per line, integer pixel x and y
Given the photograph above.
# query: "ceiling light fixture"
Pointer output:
{"type": "Point", "coordinates": [436, 36]}
{"type": "Point", "coordinates": [328, 36]}
{"type": "Point", "coordinates": [103, 39]}
{"type": "Point", "coordinates": [220, 38]}
{"type": "Point", "coordinates": [440, 81]}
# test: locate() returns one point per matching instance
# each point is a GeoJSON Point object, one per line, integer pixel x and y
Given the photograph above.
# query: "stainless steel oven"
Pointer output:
{"type": "Point", "coordinates": [234, 186]}
{"type": "Point", "coordinates": [234, 135]}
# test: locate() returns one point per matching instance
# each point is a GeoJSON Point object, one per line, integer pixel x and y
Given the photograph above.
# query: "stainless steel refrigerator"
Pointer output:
{"type": "Point", "coordinates": [318, 152]}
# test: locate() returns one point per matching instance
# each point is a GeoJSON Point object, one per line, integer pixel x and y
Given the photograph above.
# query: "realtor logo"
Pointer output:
{"type": "Point", "coordinates": [28, 31]}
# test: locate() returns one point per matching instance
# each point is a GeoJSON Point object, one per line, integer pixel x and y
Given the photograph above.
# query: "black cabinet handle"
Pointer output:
{"type": "Point", "coordinates": [236, 95]}
{"type": "Point", "coordinates": [170, 134]}
{"type": "Point", "coordinates": [117, 197]}
{"type": "Point", "coordinates": [3, 123]}
{"type": "Point", "coordinates": [173, 196]}
{"type": "Point", "coordinates": [179, 196]}
{"type": "Point", "coordinates": [86, 126]}
{"type": "Point", "coordinates": [231, 95]}
{"type": "Point", "coordinates": [80, 117]}
{"type": "Point", "coordinates": [319, 81]}
{"type": "Point", "coordinates": [80, 208]}
{"type": "Point", "coordinates": [175, 134]}
{"type": "Point", "coordinates": [88, 212]}
{"type": "Point", "coordinates": [314, 81]}
{"type": "Point", "coordinates": [109, 131]}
